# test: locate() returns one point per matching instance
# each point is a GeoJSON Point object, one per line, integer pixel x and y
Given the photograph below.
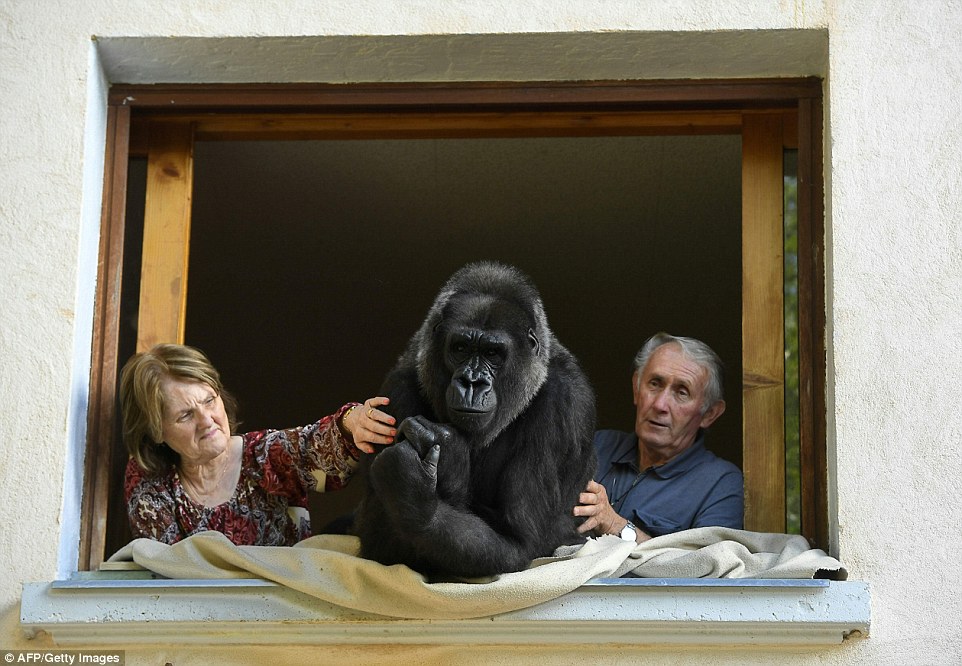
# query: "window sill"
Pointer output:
{"type": "Point", "coordinates": [120, 608]}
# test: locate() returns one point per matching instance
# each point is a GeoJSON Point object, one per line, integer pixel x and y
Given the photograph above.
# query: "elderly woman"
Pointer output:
{"type": "Point", "coordinates": [189, 472]}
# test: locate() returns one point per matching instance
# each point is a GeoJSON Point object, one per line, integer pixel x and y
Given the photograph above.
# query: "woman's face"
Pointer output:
{"type": "Point", "coordinates": [195, 424]}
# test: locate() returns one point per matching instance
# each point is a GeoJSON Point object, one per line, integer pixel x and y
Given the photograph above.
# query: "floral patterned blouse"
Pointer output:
{"type": "Point", "coordinates": [269, 504]}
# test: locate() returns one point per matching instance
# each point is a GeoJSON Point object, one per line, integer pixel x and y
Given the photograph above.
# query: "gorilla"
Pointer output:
{"type": "Point", "coordinates": [495, 441]}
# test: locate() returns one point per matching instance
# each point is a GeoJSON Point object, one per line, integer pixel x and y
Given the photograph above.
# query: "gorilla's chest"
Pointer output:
{"type": "Point", "coordinates": [490, 469]}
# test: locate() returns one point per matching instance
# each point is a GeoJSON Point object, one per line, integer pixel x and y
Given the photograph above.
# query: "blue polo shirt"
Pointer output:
{"type": "Point", "coordinates": [694, 489]}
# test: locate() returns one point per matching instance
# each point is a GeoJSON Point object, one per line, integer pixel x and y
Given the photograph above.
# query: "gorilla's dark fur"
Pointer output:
{"type": "Point", "coordinates": [496, 439]}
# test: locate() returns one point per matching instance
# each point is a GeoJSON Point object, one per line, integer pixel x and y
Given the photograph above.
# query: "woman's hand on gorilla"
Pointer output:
{"type": "Point", "coordinates": [368, 425]}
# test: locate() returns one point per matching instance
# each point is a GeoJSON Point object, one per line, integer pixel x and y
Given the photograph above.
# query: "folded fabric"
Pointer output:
{"type": "Point", "coordinates": [328, 567]}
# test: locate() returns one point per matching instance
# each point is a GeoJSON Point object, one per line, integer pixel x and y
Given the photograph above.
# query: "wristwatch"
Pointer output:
{"type": "Point", "coordinates": [629, 532]}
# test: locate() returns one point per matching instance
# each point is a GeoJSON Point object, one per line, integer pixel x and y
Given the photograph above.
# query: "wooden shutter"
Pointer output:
{"type": "Point", "coordinates": [763, 327]}
{"type": "Point", "coordinates": [163, 275]}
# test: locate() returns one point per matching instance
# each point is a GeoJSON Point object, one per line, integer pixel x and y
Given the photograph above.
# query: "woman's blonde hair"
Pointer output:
{"type": "Point", "coordinates": [142, 399]}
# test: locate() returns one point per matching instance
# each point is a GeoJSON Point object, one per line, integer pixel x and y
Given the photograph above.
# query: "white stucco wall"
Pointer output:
{"type": "Point", "coordinates": [893, 175]}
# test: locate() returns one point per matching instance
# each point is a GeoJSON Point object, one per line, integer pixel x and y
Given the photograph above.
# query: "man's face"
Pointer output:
{"type": "Point", "coordinates": [669, 397]}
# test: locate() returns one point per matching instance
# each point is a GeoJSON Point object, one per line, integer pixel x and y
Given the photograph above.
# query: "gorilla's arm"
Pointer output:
{"type": "Point", "coordinates": [438, 537]}
{"type": "Point", "coordinates": [559, 456]}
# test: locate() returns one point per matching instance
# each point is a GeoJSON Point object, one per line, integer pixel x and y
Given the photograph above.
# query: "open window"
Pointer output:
{"type": "Point", "coordinates": [315, 224]}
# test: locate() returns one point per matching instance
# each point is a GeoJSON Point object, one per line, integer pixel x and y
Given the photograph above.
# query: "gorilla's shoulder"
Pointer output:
{"type": "Point", "coordinates": [566, 382]}
{"type": "Point", "coordinates": [562, 360]}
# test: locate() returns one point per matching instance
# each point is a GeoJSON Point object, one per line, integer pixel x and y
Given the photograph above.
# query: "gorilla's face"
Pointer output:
{"type": "Point", "coordinates": [483, 363]}
{"type": "Point", "coordinates": [474, 358]}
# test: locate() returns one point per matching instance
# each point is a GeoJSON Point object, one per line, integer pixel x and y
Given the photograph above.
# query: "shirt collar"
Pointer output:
{"type": "Point", "coordinates": [680, 464]}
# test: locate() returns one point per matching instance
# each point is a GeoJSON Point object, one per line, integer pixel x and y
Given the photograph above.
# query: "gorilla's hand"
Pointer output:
{"type": "Point", "coordinates": [454, 481]}
{"type": "Point", "coordinates": [424, 435]}
{"type": "Point", "coordinates": [408, 476]}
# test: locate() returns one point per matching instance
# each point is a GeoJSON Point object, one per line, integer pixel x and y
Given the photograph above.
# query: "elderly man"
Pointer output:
{"type": "Point", "coordinates": [662, 479]}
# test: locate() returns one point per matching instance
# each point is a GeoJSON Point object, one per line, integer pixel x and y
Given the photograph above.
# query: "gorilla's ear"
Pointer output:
{"type": "Point", "coordinates": [535, 342]}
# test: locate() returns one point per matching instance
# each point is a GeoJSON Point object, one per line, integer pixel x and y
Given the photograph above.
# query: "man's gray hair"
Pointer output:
{"type": "Point", "coordinates": [692, 349]}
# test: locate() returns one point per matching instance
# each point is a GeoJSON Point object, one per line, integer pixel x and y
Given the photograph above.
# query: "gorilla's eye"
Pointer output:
{"type": "Point", "coordinates": [492, 353]}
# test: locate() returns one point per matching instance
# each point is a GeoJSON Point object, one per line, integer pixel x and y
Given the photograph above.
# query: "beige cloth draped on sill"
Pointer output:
{"type": "Point", "coordinates": [328, 567]}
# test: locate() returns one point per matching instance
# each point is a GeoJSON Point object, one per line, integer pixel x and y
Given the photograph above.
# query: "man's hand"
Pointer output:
{"type": "Point", "coordinates": [600, 516]}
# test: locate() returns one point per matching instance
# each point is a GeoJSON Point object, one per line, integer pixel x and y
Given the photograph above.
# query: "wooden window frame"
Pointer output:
{"type": "Point", "coordinates": [163, 121]}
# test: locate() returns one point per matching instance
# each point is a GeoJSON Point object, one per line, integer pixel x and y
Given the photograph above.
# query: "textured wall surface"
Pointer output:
{"type": "Point", "coordinates": [893, 174]}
